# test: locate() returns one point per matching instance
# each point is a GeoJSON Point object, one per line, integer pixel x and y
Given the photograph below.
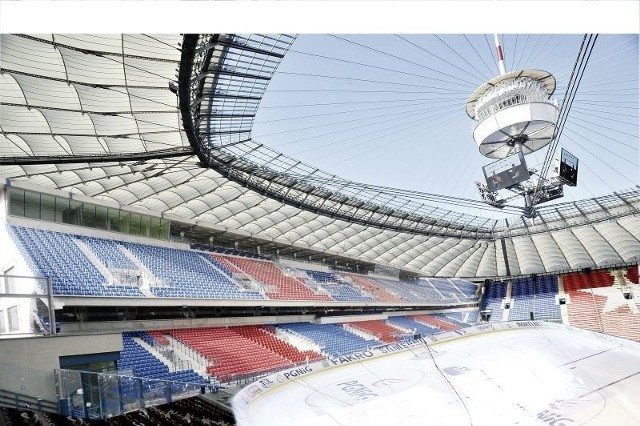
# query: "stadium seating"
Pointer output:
{"type": "Point", "coordinates": [383, 332]}
{"type": "Point", "coordinates": [494, 293]}
{"type": "Point", "coordinates": [266, 337]}
{"type": "Point", "coordinates": [186, 274]}
{"type": "Point", "coordinates": [189, 274]}
{"type": "Point", "coordinates": [108, 253]}
{"type": "Point", "coordinates": [333, 339]}
{"type": "Point", "coordinates": [279, 286]}
{"type": "Point", "coordinates": [467, 288]}
{"type": "Point", "coordinates": [453, 290]}
{"type": "Point", "coordinates": [155, 337]}
{"type": "Point", "coordinates": [142, 363]}
{"type": "Point", "coordinates": [534, 295]}
{"type": "Point", "coordinates": [597, 304]}
{"type": "Point", "coordinates": [232, 355]}
{"type": "Point", "coordinates": [632, 274]}
{"type": "Point", "coordinates": [435, 322]}
{"type": "Point", "coordinates": [340, 290]}
{"type": "Point", "coordinates": [55, 255]}
{"type": "Point", "coordinates": [461, 319]}
{"type": "Point", "coordinates": [372, 287]}
{"type": "Point", "coordinates": [584, 280]}
{"type": "Point", "coordinates": [411, 291]}
{"type": "Point", "coordinates": [411, 325]}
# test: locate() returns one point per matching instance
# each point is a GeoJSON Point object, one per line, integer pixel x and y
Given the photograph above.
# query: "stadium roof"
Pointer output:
{"type": "Point", "coordinates": [164, 123]}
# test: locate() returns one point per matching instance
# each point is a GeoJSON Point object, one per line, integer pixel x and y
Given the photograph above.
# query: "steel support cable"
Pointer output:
{"type": "Point", "coordinates": [358, 191]}
{"type": "Point", "coordinates": [389, 130]}
{"type": "Point", "coordinates": [565, 110]}
{"type": "Point", "coordinates": [591, 111]}
{"type": "Point", "coordinates": [572, 87]}
{"type": "Point", "coordinates": [491, 52]}
{"type": "Point", "coordinates": [324, 114]}
{"type": "Point", "coordinates": [513, 57]}
{"type": "Point", "coordinates": [480, 56]}
{"type": "Point", "coordinates": [443, 60]}
{"type": "Point", "coordinates": [598, 174]}
{"type": "Point", "coordinates": [604, 148]}
{"type": "Point", "coordinates": [404, 60]}
{"type": "Point", "coordinates": [533, 49]}
{"type": "Point", "coordinates": [607, 104]}
{"type": "Point", "coordinates": [364, 80]}
{"type": "Point", "coordinates": [634, 147]}
{"type": "Point", "coordinates": [315, 55]}
{"type": "Point", "coordinates": [322, 104]}
{"type": "Point", "coordinates": [359, 187]}
{"type": "Point", "coordinates": [522, 51]}
{"type": "Point", "coordinates": [408, 112]}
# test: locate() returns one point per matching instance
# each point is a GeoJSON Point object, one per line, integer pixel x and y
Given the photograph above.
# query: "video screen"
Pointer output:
{"type": "Point", "coordinates": [506, 172]}
{"type": "Point", "coordinates": [568, 168]}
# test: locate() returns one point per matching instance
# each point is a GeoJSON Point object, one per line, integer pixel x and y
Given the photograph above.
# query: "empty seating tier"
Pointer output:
{"type": "Point", "coordinates": [340, 290]}
{"type": "Point", "coordinates": [333, 339]}
{"type": "Point", "coordinates": [632, 274]}
{"type": "Point", "coordinates": [372, 287]}
{"type": "Point", "coordinates": [435, 322]}
{"type": "Point", "coordinates": [461, 319]}
{"type": "Point", "coordinates": [279, 286]}
{"type": "Point", "coordinates": [413, 326]}
{"type": "Point", "coordinates": [534, 298]}
{"type": "Point", "coordinates": [230, 354]}
{"type": "Point", "coordinates": [55, 255]}
{"type": "Point", "coordinates": [494, 293]}
{"type": "Point", "coordinates": [597, 304]}
{"type": "Point", "coordinates": [142, 363]}
{"type": "Point", "coordinates": [187, 274]}
{"type": "Point", "coordinates": [384, 332]}
{"type": "Point", "coordinates": [266, 337]}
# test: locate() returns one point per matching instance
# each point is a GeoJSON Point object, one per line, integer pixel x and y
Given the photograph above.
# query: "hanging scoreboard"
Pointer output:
{"type": "Point", "coordinates": [506, 172]}
{"type": "Point", "coordinates": [568, 173]}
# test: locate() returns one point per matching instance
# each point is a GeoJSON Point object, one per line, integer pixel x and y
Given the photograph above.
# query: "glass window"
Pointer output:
{"type": "Point", "coordinates": [74, 214]}
{"type": "Point", "coordinates": [124, 222]}
{"type": "Point", "coordinates": [134, 226]}
{"type": "Point", "coordinates": [88, 215]}
{"type": "Point", "coordinates": [165, 227]}
{"type": "Point", "coordinates": [62, 209]}
{"type": "Point", "coordinates": [65, 210]}
{"type": "Point", "coordinates": [16, 202]}
{"type": "Point", "coordinates": [3, 327]}
{"type": "Point", "coordinates": [155, 227]}
{"type": "Point", "coordinates": [14, 323]}
{"type": "Point", "coordinates": [114, 219]}
{"type": "Point", "coordinates": [145, 225]}
{"type": "Point", "coordinates": [101, 218]}
{"type": "Point", "coordinates": [32, 205]}
{"type": "Point", "coordinates": [47, 207]}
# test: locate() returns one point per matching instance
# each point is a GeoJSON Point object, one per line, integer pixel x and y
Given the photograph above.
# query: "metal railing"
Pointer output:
{"type": "Point", "coordinates": [21, 401]}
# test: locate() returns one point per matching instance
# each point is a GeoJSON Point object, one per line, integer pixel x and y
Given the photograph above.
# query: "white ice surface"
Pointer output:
{"type": "Point", "coordinates": [535, 375]}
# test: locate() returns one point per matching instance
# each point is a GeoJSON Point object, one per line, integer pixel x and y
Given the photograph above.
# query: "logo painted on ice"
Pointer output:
{"type": "Point", "coordinates": [456, 371]}
{"type": "Point", "coordinates": [358, 389]}
{"type": "Point", "coordinates": [554, 419]}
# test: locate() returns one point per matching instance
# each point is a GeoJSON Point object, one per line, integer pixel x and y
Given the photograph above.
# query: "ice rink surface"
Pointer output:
{"type": "Point", "coordinates": [517, 373]}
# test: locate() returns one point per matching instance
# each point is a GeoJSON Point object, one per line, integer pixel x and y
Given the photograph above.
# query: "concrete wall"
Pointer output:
{"type": "Point", "coordinates": [27, 364]}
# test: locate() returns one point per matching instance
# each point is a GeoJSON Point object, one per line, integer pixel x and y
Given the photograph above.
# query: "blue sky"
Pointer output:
{"type": "Point", "coordinates": [390, 109]}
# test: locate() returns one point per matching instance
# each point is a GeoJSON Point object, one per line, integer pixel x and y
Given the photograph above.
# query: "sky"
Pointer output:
{"type": "Point", "coordinates": [389, 109]}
